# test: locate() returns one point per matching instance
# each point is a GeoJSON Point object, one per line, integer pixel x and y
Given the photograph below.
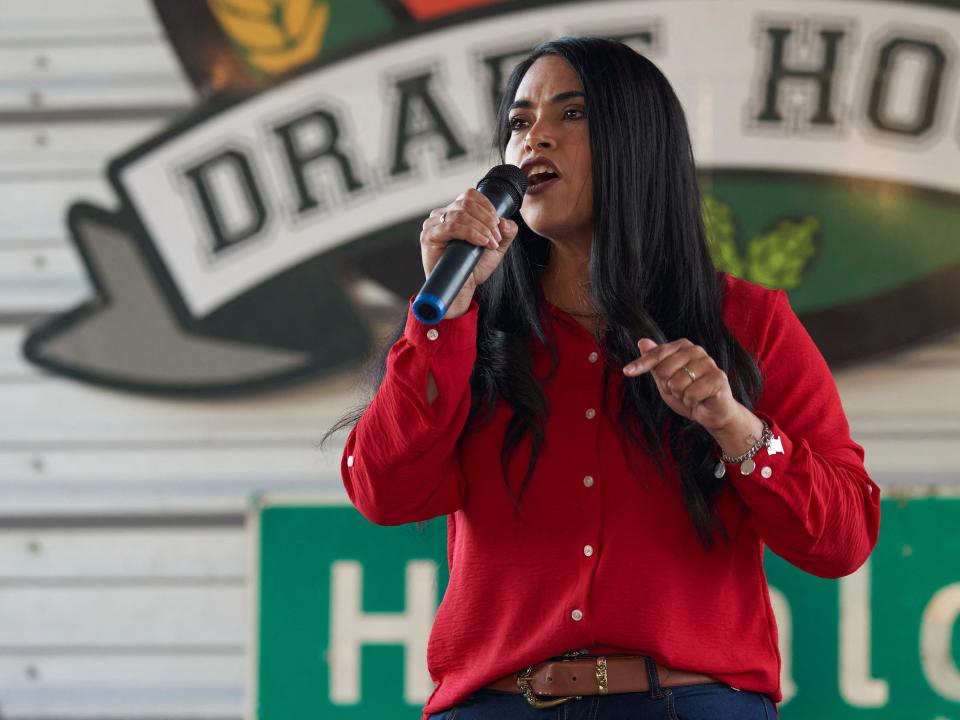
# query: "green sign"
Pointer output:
{"type": "Point", "coordinates": [342, 610]}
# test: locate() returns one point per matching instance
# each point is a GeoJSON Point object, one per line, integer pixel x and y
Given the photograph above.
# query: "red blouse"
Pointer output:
{"type": "Point", "coordinates": [603, 556]}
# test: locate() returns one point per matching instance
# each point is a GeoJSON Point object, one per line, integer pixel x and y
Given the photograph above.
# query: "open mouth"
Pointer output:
{"type": "Point", "coordinates": [540, 178]}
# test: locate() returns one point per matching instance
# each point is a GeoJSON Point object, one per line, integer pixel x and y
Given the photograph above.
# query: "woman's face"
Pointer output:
{"type": "Point", "coordinates": [549, 141]}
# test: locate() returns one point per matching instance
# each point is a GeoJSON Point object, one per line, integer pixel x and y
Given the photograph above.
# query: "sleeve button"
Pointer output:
{"type": "Point", "coordinates": [349, 460]}
{"type": "Point", "coordinates": [432, 334]}
{"type": "Point", "coordinates": [577, 615]}
{"type": "Point", "coordinates": [766, 471]}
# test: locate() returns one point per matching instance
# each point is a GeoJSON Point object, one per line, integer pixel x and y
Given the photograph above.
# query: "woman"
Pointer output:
{"type": "Point", "coordinates": [614, 429]}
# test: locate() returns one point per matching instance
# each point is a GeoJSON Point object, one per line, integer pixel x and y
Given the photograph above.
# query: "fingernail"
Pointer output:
{"type": "Point", "coordinates": [493, 244]}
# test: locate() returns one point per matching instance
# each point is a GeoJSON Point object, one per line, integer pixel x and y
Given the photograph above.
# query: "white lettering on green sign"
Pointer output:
{"type": "Point", "coordinates": [351, 628]}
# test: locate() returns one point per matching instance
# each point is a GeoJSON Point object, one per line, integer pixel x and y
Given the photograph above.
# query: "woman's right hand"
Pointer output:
{"type": "Point", "coordinates": [471, 217]}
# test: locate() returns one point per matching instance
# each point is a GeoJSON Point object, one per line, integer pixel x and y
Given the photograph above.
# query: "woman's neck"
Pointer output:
{"type": "Point", "coordinates": [566, 279]}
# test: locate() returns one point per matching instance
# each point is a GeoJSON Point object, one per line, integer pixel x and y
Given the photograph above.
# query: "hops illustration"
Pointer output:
{"type": "Point", "coordinates": [721, 236]}
{"type": "Point", "coordinates": [274, 35]}
{"type": "Point", "coordinates": [776, 259]}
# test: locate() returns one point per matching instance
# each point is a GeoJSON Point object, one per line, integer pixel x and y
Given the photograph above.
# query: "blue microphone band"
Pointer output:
{"type": "Point", "coordinates": [428, 308]}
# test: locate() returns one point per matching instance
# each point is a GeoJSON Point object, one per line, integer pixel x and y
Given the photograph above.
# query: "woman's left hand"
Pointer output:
{"type": "Point", "coordinates": [690, 383]}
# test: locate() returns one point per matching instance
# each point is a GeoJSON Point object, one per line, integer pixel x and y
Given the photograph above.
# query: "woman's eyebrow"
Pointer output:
{"type": "Point", "coordinates": [559, 97]}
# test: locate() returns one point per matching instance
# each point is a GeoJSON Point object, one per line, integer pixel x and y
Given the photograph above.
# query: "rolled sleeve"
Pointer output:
{"type": "Point", "coordinates": [811, 499]}
{"type": "Point", "coordinates": [400, 463]}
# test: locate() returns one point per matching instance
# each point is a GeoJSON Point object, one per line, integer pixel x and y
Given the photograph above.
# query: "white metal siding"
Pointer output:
{"type": "Point", "coordinates": [122, 548]}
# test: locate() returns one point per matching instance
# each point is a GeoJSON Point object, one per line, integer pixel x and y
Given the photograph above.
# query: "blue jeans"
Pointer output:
{"type": "Point", "coordinates": [713, 701]}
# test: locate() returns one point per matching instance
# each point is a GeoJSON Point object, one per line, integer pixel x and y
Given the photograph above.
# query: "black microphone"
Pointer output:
{"type": "Point", "coordinates": [503, 186]}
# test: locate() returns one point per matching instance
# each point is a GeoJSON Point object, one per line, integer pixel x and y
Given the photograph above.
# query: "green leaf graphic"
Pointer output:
{"type": "Point", "coordinates": [776, 259]}
{"type": "Point", "coordinates": [721, 236]}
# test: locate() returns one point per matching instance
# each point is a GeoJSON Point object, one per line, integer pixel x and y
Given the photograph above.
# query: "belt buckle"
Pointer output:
{"type": "Point", "coordinates": [523, 682]}
{"type": "Point", "coordinates": [601, 672]}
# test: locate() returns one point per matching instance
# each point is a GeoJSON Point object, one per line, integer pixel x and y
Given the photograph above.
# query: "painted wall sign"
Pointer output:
{"type": "Point", "coordinates": [828, 134]}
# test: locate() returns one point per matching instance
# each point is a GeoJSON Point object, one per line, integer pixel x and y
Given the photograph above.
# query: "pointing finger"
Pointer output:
{"type": "Point", "coordinates": [652, 355]}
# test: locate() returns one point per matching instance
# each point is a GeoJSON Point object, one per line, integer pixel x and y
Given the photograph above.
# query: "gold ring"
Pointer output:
{"type": "Point", "coordinates": [688, 371]}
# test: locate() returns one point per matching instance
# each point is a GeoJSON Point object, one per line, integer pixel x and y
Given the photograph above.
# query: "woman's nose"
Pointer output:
{"type": "Point", "coordinates": [537, 140]}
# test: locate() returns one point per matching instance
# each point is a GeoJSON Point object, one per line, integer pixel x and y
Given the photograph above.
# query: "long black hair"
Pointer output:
{"type": "Point", "coordinates": [651, 275]}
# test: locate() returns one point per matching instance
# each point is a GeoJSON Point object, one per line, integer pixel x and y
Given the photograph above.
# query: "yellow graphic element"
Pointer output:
{"type": "Point", "coordinates": [776, 259]}
{"type": "Point", "coordinates": [721, 236]}
{"type": "Point", "coordinates": [779, 257]}
{"type": "Point", "coordinates": [274, 36]}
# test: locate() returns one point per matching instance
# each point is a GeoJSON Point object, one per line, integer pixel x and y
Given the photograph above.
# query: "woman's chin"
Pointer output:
{"type": "Point", "coordinates": [551, 231]}
{"type": "Point", "coordinates": [540, 223]}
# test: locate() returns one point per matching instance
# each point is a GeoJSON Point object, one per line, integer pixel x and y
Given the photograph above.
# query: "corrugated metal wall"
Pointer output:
{"type": "Point", "coordinates": [122, 541]}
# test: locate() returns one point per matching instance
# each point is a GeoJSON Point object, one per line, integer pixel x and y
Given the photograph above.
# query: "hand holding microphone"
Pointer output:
{"type": "Point", "coordinates": [463, 243]}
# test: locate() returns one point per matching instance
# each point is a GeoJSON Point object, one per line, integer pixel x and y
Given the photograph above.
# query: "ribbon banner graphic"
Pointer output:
{"type": "Point", "coordinates": [256, 237]}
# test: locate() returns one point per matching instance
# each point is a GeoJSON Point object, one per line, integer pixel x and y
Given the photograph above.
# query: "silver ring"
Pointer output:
{"type": "Point", "coordinates": [443, 217]}
{"type": "Point", "coordinates": [688, 371]}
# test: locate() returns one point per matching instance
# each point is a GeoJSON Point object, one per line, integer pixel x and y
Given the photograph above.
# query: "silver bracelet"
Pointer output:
{"type": "Point", "coordinates": [747, 465]}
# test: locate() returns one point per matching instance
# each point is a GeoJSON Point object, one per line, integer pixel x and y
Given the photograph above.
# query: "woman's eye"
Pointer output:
{"type": "Point", "coordinates": [517, 122]}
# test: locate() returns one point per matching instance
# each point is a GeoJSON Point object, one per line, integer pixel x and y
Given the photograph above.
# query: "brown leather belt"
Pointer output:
{"type": "Point", "coordinates": [591, 675]}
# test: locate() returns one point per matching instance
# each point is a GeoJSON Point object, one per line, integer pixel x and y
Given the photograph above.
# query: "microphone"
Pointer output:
{"type": "Point", "coordinates": [504, 186]}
